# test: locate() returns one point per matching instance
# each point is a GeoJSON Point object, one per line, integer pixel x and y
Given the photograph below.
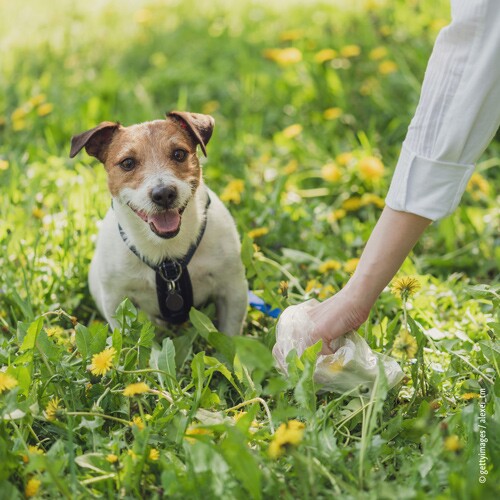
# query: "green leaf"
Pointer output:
{"type": "Point", "coordinates": [30, 339]}
{"type": "Point", "coordinates": [82, 339]}
{"type": "Point", "coordinates": [47, 347]}
{"type": "Point", "coordinates": [223, 344]}
{"type": "Point", "coordinates": [198, 373]}
{"type": "Point", "coordinates": [247, 251]}
{"type": "Point", "coordinates": [242, 462]}
{"type": "Point", "coordinates": [253, 354]}
{"type": "Point", "coordinates": [117, 342]}
{"type": "Point", "coordinates": [182, 346]}
{"type": "Point", "coordinates": [164, 360]}
{"type": "Point", "coordinates": [201, 322]}
{"type": "Point", "coordinates": [145, 343]}
{"type": "Point", "coordinates": [305, 390]}
{"type": "Point", "coordinates": [238, 368]}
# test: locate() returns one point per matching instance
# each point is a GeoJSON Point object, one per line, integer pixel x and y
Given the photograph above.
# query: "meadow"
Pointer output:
{"type": "Point", "coordinates": [312, 101]}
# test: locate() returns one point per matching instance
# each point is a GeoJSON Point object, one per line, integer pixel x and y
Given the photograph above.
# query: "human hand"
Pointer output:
{"type": "Point", "coordinates": [341, 313]}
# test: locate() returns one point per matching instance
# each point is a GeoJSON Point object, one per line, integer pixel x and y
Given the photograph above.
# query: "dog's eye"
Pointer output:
{"type": "Point", "coordinates": [127, 164]}
{"type": "Point", "coordinates": [180, 154]}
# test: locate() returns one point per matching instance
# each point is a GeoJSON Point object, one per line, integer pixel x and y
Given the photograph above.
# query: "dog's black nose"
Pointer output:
{"type": "Point", "coordinates": [164, 196]}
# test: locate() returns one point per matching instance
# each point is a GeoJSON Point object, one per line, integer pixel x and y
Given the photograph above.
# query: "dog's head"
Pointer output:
{"type": "Point", "coordinates": [152, 167]}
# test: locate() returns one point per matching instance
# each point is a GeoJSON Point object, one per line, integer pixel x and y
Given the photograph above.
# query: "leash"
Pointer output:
{"type": "Point", "coordinates": [173, 284]}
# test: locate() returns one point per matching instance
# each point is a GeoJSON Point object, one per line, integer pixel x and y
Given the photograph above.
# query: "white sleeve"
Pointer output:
{"type": "Point", "coordinates": [457, 115]}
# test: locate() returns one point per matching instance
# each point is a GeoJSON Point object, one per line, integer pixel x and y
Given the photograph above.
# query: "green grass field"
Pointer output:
{"type": "Point", "coordinates": [311, 101]}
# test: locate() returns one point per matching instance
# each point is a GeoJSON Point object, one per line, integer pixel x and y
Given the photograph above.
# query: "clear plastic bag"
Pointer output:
{"type": "Point", "coordinates": [353, 366]}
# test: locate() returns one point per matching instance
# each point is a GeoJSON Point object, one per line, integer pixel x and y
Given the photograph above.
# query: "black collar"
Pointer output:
{"type": "Point", "coordinates": [173, 285]}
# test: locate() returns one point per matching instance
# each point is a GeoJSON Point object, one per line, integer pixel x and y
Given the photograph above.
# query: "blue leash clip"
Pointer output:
{"type": "Point", "coordinates": [260, 305]}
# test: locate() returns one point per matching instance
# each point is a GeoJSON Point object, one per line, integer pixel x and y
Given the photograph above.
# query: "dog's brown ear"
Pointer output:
{"type": "Point", "coordinates": [95, 140]}
{"type": "Point", "coordinates": [200, 126]}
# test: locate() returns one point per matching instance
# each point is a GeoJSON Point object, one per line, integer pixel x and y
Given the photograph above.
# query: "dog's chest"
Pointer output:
{"type": "Point", "coordinates": [141, 290]}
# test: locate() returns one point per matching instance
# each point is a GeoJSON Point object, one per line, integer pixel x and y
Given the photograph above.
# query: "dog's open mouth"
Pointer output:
{"type": "Point", "coordinates": [165, 224]}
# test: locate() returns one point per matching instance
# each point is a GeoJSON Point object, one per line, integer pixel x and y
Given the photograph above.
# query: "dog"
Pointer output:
{"type": "Point", "coordinates": [167, 242]}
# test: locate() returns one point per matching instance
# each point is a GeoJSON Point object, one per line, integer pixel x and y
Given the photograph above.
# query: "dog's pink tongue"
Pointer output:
{"type": "Point", "coordinates": [166, 222]}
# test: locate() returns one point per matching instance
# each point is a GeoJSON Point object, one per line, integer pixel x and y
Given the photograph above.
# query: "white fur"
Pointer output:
{"type": "Point", "coordinates": [216, 271]}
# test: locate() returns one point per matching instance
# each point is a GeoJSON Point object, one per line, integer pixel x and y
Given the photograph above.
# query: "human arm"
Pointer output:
{"type": "Point", "coordinates": [457, 116]}
{"type": "Point", "coordinates": [391, 241]}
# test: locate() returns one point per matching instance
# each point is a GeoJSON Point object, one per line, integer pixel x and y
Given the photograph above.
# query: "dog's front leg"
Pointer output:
{"type": "Point", "coordinates": [108, 302]}
{"type": "Point", "coordinates": [232, 309]}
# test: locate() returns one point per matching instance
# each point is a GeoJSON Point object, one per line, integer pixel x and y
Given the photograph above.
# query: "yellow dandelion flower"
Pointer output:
{"type": "Point", "coordinates": [159, 59]}
{"type": "Point", "coordinates": [385, 30]}
{"type": "Point", "coordinates": [35, 450]}
{"type": "Point", "coordinates": [54, 331]}
{"type": "Point", "coordinates": [286, 436]}
{"type": "Point", "coordinates": [138, 422]}
{"type": "Point", "coordinates": [326, 291]}
{"type": "Point", "coordinates": [476, 183]}
{"type": "Point", "coordinates": [405, 345]}
{"type": "Point", "coordinates": [4, 164]}
{"type": "Point", "coordinates": [32, 450]}
{"type": "Point", "coordinates": [18, 125]}
{"type": "Point", "coordinates": [112, 458]}
{"type": "Point", "coordinates": [332, 113]}
{"type": "Point", "coordinates": [372, 5]}
{"type": "Point", "coordinates": [325, 55]}
{"type": "Point", "coordinates": [283, 288]}
{"type": "Point", "coordinates": [469, 395]}
{"type": "Point", "coordinates": [232, 192]}
{"type": "Point", "coordinates": [336, 366]}
{"type": "Point", "coordinates": [369, 86]}
{"type": "Point", "coordinates": [329, 265]}
{"type": "Point", "coordinates": [19, 114]}
{"type": "Point", "coordinates": [45, 109]}
{"type": "Point", "coordinates": [330, 172]}
{"type": "Point", "coordinates": [370, 198]}
{"type": "Point", "coordinates": [7, 382]}
{"type": "Point", "coordinates": [351, 265]}
{"type": "Point", "coordinates": [377, 53]}
{"type": "Point", "coordinates": [52, 409]}
{"type": "Point", "coordinates": [292, 131]}
{"type": "Point", "coordinates": [143, 16]}
{"type": "Point", "coordinates": [405, 287]}
{"type": "Point", "coordinates": [352, 204]}
{"type": "Point", "coordinates": [154, 454]}
{"type": "Point", "coordinates": [313, 286]}
{"type": "Point", "coordinates": [134, 389]}
{"type": "Point", "coordinates": [438, 24]}
{"type": "Point", "coordinates": [132, 454]}
{"type": "Point", "coordinates": [258, 232]}
{"type": "Point", "coordinates": [452, 443]}
{"type": "Point", "coordinates": [291, 35]}
{"type": "Point", "coordinates": [350, 51]}
{"type": "Point", "coordinates": [32, 487]}
{"type": "Point", "coordinates": [103, 361]}
{"type": "Point", "coordinates": [387, 67]}
{"type": "Point", "coordinates": [291, 167]}
{"type": "Point", "coordinates": [210, 107]}
{"type": "Point", "coordinates": [344, 159]}
{"type": "Point", "coordinates": [336, 215]}
{"type": "Point", "coordinates": [37, 213]}
{"type": "Point", "coordinates": [284, 57]}
{"type": "Point", "coordinates": [37, 100]}
{"type": "Point", "coordinates": [371, 168]}
{"type": "Point", "coordinates": [192, 432]}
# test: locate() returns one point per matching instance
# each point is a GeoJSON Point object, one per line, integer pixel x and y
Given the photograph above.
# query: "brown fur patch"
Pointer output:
{"type": "Point", "coordinates": [151, 145]}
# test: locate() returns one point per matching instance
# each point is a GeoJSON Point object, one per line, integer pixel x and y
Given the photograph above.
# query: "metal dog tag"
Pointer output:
{"type": "Point", "coordinates": [174, 301]}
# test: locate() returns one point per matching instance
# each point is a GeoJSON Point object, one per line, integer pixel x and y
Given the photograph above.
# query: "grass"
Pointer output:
{"type": "Point", "coordinates": [311, 103]}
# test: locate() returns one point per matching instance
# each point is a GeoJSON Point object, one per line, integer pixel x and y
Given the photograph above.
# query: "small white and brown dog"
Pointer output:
{"type": "Point", "coordinates": [167, 242]}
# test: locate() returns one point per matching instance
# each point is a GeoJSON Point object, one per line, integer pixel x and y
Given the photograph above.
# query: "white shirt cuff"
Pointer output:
{"type": "Point", "coordinates": [429, 188]}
